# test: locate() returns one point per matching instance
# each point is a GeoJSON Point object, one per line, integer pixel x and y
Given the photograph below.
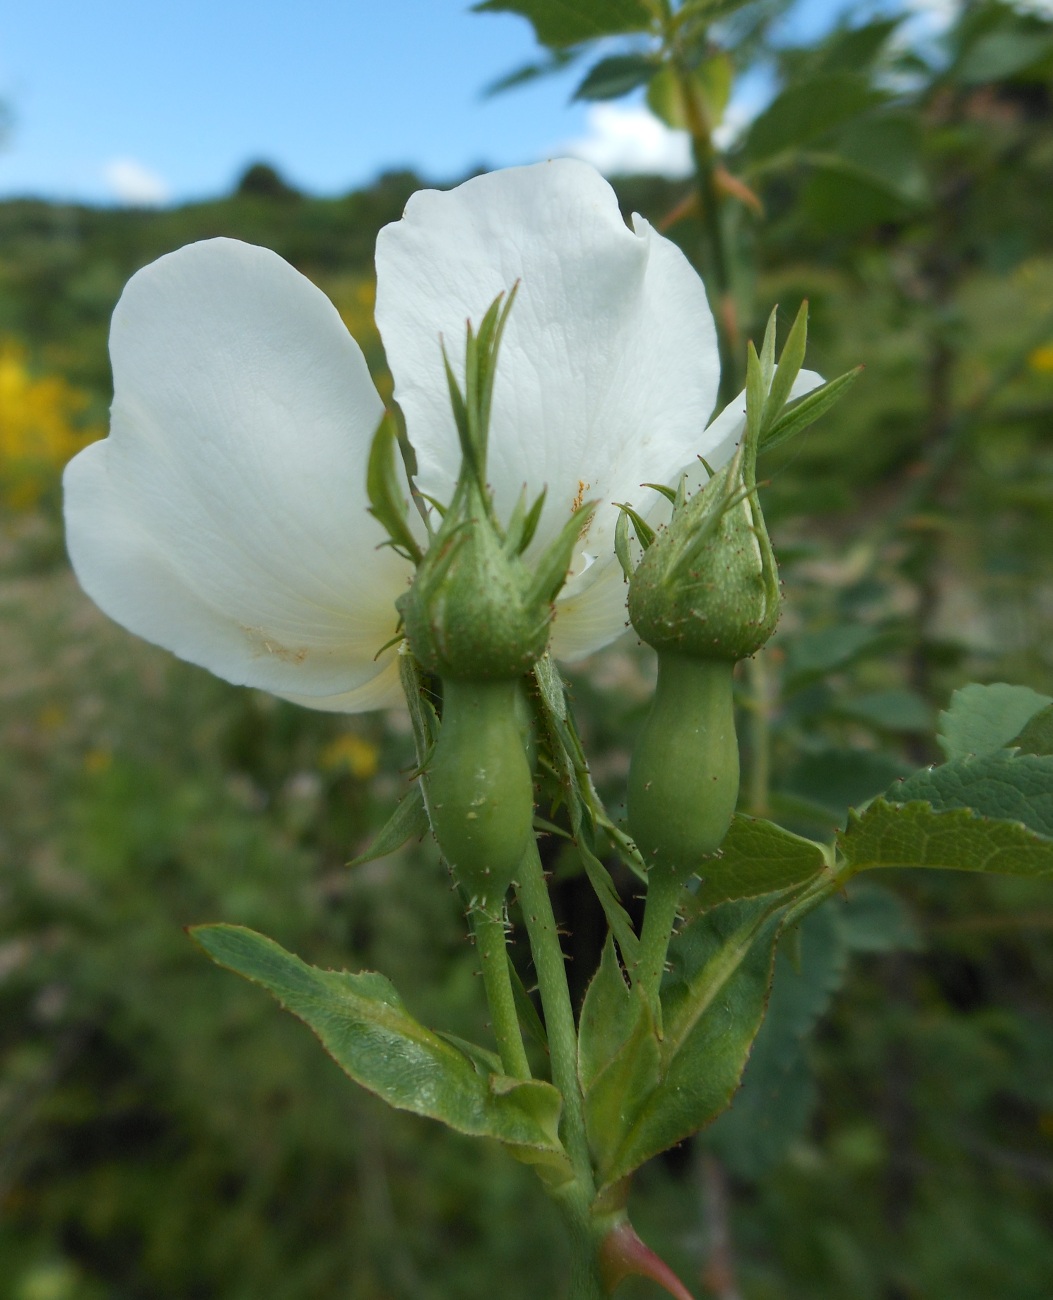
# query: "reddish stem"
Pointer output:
{"type": "Point", "coordinates": [623, 1255]}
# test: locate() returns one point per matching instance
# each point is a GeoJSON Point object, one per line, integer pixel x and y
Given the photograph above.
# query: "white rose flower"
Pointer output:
{"type": "Point", "coordinates": [225, 517]}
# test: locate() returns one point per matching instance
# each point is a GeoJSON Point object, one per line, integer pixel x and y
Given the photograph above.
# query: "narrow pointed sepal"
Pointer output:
{"type": "Point", "coordinates": [550, 573]}
{"type": "Point", "coordinates": [385, 489]}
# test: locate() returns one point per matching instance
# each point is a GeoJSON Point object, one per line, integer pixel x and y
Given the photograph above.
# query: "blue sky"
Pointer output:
{"type": "Point", "coordinates": [125, 100]}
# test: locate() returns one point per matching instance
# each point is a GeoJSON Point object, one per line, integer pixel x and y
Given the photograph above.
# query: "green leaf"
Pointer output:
{"type": "Point", "coordinates": [915, 835]}
{"type": "Point", "coordinates": [568, 22]}
{"type": "Point", "coordinates": [1011, 48]}
{"type": "Point", "coordinates": [1002, 785]}
{"type": "Point", "coordinates": [891, 710]}
{"type": "Point", "coordinates": [712, 1006]}
{"type": "Point", "coordinates": [808, 110]}
{"type": "Point", "coordinates": [529, 72]}
{"type": "Point", "coordinates": [983, 719]}
{"type": "Point", "coordinates": [885, 151]}
{"type": "Point", "coordinates": [842, 199]}
{"type": "Point", "coordinates": [873, 919]}
{"type": "Point", "coordinates": [839, 779]}
{"type": "Point", "coordinates": [814, 654]}
{"type": "Point", "coordinates": [615, 76]}
{"type": "Point", "coordinates": [618, 1056]}
{"type": "Point", "coordinates": [408, 821]}
{"type": "Point", "coordinates": [757, 857]}
{"type": "Point", "coordinates": [362, 1023]}
{"type": "Point", "coordinates": [856, 47]}
{"type": "Point", "coordinates": [796, 417]}
{"type": "Point", "coordinates": [1037, 736]}
{"type": "Point", "coordinates": [778, 1092]}
{"type": "Point", "coordinates": [713, 78]}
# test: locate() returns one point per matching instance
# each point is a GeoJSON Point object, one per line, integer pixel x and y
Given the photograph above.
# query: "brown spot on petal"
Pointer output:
{"type": "Point", "coordinates": [262, 644]}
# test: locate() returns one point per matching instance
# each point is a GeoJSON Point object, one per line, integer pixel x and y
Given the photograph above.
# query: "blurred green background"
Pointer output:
{"type": "Point", "coordinates": [166, 1133]}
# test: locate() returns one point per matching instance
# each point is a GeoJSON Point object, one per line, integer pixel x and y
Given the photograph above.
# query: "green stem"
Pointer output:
{"type": "Point", "coordinates": [586, 1282]}
{"type": "Point", "coordinates": [716, 255]}
{"type": "Point", "coordinates": [490, 944]}
{"type": "Point", "coordinates": [663, 898]}
{"type": "Point", "coordinates": [559, 1014]}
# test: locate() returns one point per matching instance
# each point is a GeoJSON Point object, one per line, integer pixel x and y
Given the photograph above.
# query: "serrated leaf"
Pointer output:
{"type": "Point", "coordinates": [983, 719]}
{"type": "Point", "coordinates": [778, 1093]}
{"type": "Point", "coordinates": [408, 821]}
{"type": "Point", "coordinates": [1002, 785]}
{"type": "Point", "coordinates": [568, 22]}
{"type": "Point", "coordinates": [915, 835]}
{"type": "Point", "coordinates": [615, 76]}
{"type": "Point", "coordinates": [1037, 736]}
{"type": "Point", "coordinates": [712, 1005]}
{"type": "Point", "coordinates": [362, 1023]}
{"type": "Point", "coordinates": [757, 857]}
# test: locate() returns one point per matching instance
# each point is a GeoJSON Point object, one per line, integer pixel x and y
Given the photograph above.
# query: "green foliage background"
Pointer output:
{"type": "Point", "coordinates": [165, 1133]}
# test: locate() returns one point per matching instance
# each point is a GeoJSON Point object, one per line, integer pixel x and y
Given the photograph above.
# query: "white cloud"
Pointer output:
{"type": "Point", "coordinates": [135, 185]}
{"type": "Point", "coordinates": [938, 13]}
{"type": "Point", "coordinates": [620, 140]}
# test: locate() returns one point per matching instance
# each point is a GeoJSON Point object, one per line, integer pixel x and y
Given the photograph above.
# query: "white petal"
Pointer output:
{"type": "Point", "coordinates": [607, 373]}
{"type": "Point", "coordinates": [225, 516]}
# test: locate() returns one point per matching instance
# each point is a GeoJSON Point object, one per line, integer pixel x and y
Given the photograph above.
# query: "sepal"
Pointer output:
{"type": "Point", "coordinates": [476, 611]}
{"type": "Point", "coordinates": [384, 489]}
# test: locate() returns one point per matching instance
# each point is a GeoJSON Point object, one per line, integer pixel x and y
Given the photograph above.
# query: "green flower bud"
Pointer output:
{"type": "Point", "coordinates": [708, 585]}
{"type": "Point", "coordinates": [473, 612]}
{"type": "Point", "coordinates": [478, 617]}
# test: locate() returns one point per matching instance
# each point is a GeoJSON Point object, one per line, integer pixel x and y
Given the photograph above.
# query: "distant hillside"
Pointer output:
{"type": "Point", "coordinates": [62, 267]}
